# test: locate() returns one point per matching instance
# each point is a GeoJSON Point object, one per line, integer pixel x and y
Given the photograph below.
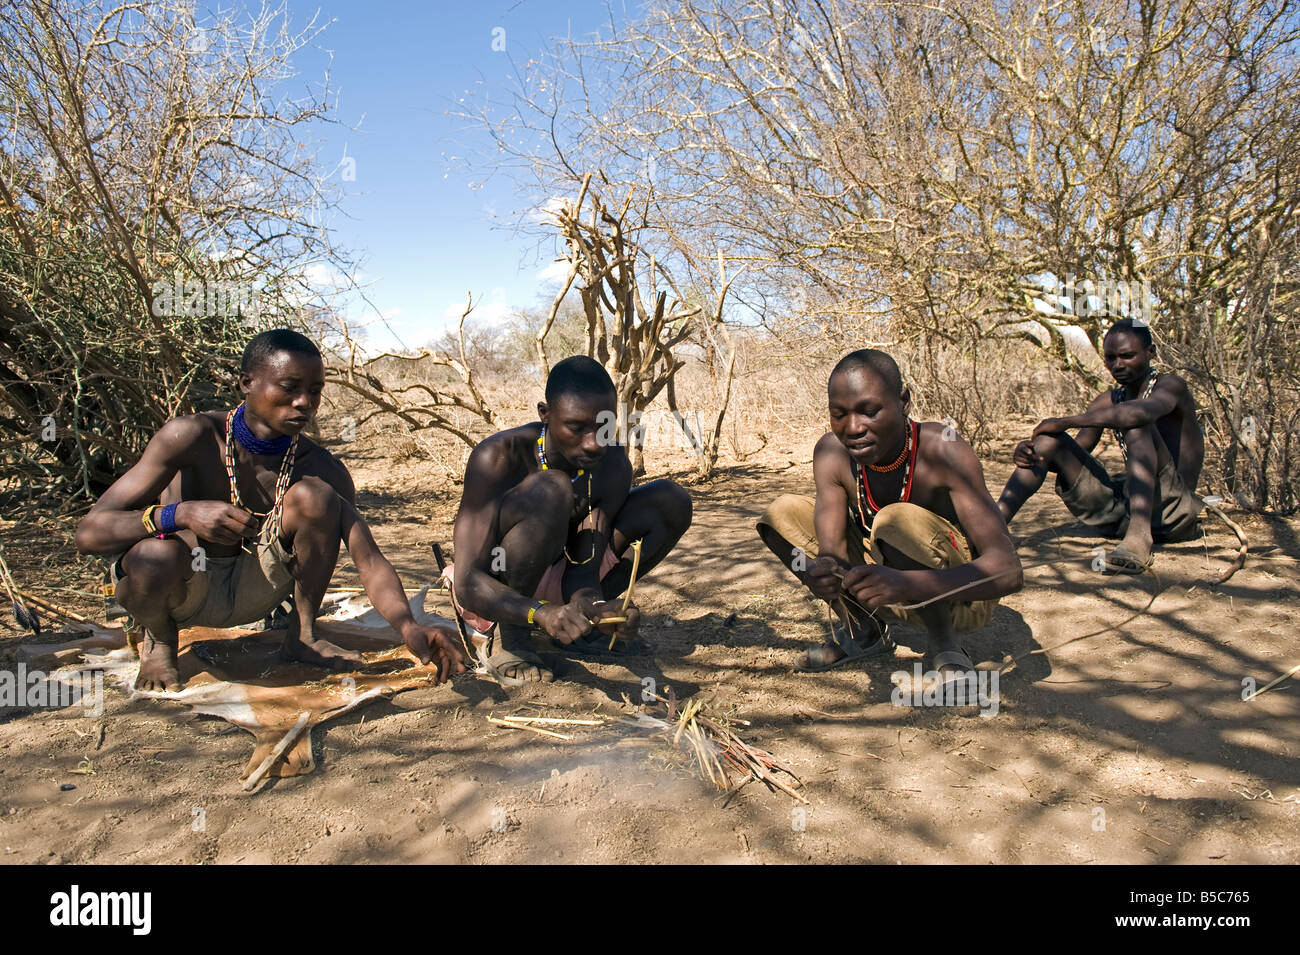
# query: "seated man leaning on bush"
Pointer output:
{"type": "Point", "coordinates": [1153, 417]}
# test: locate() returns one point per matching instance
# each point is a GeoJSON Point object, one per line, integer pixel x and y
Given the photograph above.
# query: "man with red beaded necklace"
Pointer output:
{"type": "Point", "coordinates": [252, 510]}
{"type": "Point", "coordinates": [901, 517]}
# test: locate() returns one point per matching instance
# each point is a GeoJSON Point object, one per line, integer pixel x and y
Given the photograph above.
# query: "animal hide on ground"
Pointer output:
{"type": "Point", "coordinates": [237, 675]}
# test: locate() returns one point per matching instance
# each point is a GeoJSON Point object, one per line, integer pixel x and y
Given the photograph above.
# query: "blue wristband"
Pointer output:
{"type": "Point", "coordinates": [167, 519]}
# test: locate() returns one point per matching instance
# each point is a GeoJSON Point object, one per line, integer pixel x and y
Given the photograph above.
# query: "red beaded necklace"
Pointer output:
{"type": "Point", "coordinates": [867, 506]}
{"type": "Point", "coordinates": [898, 461]}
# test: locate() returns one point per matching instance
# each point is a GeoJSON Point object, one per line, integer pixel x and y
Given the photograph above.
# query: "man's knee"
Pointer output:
{"type": "Point", "coordinates": [310, 501]}
{"type": "Point", "coordinates": [544, 497]}
{"type": "Point", "coordinates": [789, 520]}
{"type": "Point", "coordinates": [674, 503]}
{"type": "Point", "coordinates": [552, 490]}
{"type": "Point", "coordinates": [906, 532]}
{"type": "Point", "coordinates": [784, 509]}
{"type": "Point", "coordinates": [154, 563]}
{"type": "Point", "coordinates": [549, 494]}
{"type": "Point", "coordinates": [901, 520]}
{"type": "Point", "coordinates": [1050, 446]}
{"type": "Point", "coordinates": [1142, 434]}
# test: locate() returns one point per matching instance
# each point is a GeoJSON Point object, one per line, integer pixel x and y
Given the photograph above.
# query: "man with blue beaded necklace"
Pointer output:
{"type": "Point", "coordinates": [545, 525]}
{"type": "Point", "coordinates": [263, 507]}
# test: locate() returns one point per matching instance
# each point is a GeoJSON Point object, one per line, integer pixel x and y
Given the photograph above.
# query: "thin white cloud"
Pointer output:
{"type": "Point", "coordinates": [325, 277]}
{"type": "Point", "coordinates": [547, 209]}
{"type": "Point", "coordinates": [496, 312]}
{"type": "Point", "coordinates": [554, 273]}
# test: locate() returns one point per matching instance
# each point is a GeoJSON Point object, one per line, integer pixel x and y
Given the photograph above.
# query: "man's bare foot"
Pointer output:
{"type": "Point", "coordinates": [1139, 545]}
{"type": "Point", "coordinates": [158, 673]}
{"type": "Point", "coordinates": [948, 682]}
{"type": "Point", "coordinates": [317, 653]}
{"type": "Point", "coordinates": [945, 650]}
{"type": "Point", "coordinates": [514, 659]}
{"type": "Point", "coordinates": [821, 657]}
{"type": "Point", "coordinates": [522, 665]}
{"type": "Point", "coordinates": [952, 664]}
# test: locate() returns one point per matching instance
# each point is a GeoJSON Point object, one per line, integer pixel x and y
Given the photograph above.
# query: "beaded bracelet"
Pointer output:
{"type": "Point", "coordinates": [532, 611]}
{"type": "Point", "coordinates": [167, 519]}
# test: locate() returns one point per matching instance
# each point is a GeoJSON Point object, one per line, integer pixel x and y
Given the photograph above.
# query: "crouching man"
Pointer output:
{"type": "Point", "coordinates": [546, 522]}
{"type": "Point", "coordinates": [267, 506]}
{"type": "Point", "coordinates": [901, 517]}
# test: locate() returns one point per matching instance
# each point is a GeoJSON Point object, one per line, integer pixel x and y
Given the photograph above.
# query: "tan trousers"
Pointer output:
{"type": "Point", "coordinates": [920, 535]}
{"type": "Point", "coordinates": [229, 591]}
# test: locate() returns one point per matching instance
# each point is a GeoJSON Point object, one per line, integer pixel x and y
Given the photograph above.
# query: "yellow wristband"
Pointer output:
{"type": "Point", "coordinates": [147, 519]}
{"type": "Point", "coordinates": [532, 611]}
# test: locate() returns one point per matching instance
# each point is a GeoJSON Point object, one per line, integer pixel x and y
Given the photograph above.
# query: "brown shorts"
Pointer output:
{"type": "Point", "coordinates": [1103, 504]}
{"type": "Point", "coordinates": [921, 535]}
{"type": "Point", "coordinates": [229, 591]}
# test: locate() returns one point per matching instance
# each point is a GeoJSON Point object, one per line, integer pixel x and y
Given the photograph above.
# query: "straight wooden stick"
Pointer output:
{"type": "Point", "coordinates": [524, 726]}
{"type": "Point", "coordinates": [631, 584]}
{"type": "Point", "coordinates": [1291, 672]}
{"type": "Point", "coordinates": [51, 608]}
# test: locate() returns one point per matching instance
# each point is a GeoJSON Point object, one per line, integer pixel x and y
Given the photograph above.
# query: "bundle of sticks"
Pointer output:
{"type": "Point", "coordinates": [721, 755]}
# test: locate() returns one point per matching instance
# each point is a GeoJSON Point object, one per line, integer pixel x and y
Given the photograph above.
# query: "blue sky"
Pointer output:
{"type": "Point", "coordinates": [423, 235]}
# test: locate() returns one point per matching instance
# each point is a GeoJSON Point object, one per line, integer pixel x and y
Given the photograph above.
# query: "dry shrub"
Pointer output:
{"type": "Point", "coordinates": [778, 396]}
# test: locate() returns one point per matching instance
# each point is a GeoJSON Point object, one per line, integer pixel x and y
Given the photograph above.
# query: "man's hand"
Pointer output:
{"type": "Point", "coordinates": [627, 630]}
{"type": "Point", "coordinates": [874, 586]}
{"type": "Point", "coordinates": [1025, 455]}
{"type": "Point", "coordinates": [823, 577]}
{"type": "Point", "coordinates": [1052, 426]}
{"type": "Point", "coordinates": [567, 622]}
{"type": "Point", "coordinates": [217, 521]}
{"type": "Point", "coordinates": [588, 600]}
{"type": "Point", "coordinates": [439, 645]}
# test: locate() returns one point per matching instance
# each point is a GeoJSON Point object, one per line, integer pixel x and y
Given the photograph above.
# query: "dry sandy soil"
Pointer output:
{"type": "Point", "coordinates": [1132, 744]}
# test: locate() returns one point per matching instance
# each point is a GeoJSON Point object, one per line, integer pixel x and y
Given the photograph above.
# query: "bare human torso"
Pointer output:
{"type": "Point", "coordinates": [516, 458]}
{"type": "Point", "coordinates": [1179, 429]}
{"type": "Point", "coordinates": [931, 482]}
{"type": "Point", "coordinates": [204, 476]}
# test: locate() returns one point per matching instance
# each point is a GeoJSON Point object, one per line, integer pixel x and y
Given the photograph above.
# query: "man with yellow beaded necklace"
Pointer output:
{"type": "Point", "coordinates": [545, 525]}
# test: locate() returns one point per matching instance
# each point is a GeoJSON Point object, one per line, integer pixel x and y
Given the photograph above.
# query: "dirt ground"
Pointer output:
{"type": "Point", "coordinates": [1128, 745]}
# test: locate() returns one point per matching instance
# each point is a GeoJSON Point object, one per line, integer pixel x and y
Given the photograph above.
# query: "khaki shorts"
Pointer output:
{"type": "Point", "coordinates": [921, 535]}
{"type": "Point", "coordinates": [1103, 504]}
{"type": "Point", "coordinates": [235, 590]}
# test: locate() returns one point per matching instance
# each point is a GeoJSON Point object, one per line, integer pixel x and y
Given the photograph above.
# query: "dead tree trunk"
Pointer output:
{"type": "Point", "coordinates": [633, 340]}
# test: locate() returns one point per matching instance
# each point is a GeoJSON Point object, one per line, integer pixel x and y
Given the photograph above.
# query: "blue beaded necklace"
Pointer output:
{"type": "Point", "coordinates": [252, 443]}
